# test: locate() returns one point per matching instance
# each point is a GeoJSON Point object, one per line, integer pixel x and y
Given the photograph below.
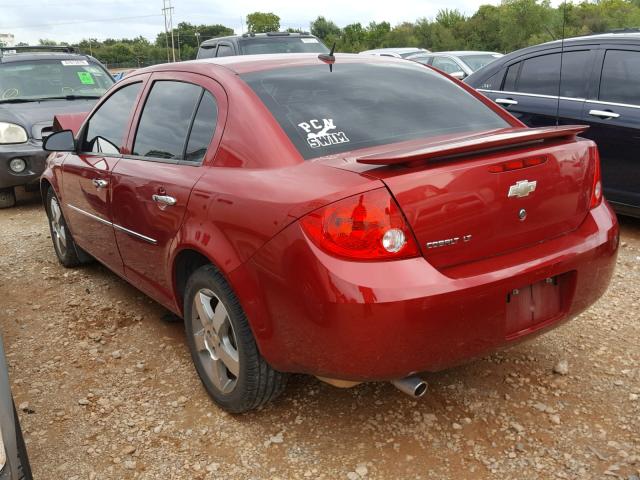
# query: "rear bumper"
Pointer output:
{"type": "Point", "coordinates": [316, 314]}
{"type": "Point", "coordinates": [32, 154]}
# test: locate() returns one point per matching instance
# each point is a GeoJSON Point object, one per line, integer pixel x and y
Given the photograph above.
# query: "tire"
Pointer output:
{"type": "Point", "coordinates": [7, 197]}
{"type": "Point", "coordinates": [223, 348]}
{"type": "Point", "coordinates": [24, 469]}
{"type": "Point", "coordinates": [68, 253]}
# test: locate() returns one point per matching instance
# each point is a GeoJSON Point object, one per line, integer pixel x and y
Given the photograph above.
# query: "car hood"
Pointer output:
{"type": "Point", "coordinates": [38, 116]}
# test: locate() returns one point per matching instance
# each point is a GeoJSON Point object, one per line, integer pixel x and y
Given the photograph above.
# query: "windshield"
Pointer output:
{"type": "Point", "coordinates": [43, 79]}
{"type": "Point", "coordinates": [361, 105]}
{"type": "Point", "coordinates": [258, 45]}
{"type": "Point", "coordinates": [477, 61]}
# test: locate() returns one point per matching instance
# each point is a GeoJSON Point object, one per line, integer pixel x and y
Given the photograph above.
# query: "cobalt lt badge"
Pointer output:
{"type": "Point", "coordinates": [522, 188]}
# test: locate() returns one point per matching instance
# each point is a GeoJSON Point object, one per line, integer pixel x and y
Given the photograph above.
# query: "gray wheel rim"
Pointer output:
{"type": "Point", "coordinates": [59, 232]}
{"type": "Point", "coordinates": [215, 341]}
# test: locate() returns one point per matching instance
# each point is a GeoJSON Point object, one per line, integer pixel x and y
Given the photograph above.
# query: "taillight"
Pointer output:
{"type": "Point", "coordinates": [596, 189]}
{"type": "Point", "coordinates": [367, 226]}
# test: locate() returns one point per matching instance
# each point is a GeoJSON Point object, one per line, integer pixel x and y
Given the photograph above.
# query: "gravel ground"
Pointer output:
{"type": "Point", "coordinates": [106, 390]}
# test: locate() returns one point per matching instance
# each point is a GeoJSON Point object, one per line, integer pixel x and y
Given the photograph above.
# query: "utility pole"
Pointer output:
{"type": "Point", "coordinates": [167, 11]}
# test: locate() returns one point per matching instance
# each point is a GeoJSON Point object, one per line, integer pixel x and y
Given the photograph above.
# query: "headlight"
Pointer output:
{"type": "Point", "coordinates": [12, 133]}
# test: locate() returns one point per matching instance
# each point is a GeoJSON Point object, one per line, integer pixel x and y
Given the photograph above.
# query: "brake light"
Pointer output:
{"type": "Point", "coordinates": [367, 226]}
{"type": "Point", "coordinates": [596, 190]}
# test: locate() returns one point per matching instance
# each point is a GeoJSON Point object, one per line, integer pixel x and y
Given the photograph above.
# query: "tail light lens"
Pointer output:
{"type": "Point", "coordinates": [367, 226]}
{"type": "Point", "coordinates": [596, 190]}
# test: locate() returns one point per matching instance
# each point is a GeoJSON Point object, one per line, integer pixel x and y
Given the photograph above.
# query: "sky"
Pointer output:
{"type": "Point", "coordinates": [73, 20]}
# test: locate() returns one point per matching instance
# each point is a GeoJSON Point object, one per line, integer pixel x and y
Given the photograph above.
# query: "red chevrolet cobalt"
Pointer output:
{"type": "Point", "coordinates": [354, 218]}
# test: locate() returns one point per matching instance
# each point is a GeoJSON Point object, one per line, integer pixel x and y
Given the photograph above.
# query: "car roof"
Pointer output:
{"type": "Point", "coordinates": [249, 36]}
{"type": "Point", "coordinates": [395, 50]}
{"type": "Point", "coordinates": [32, 56]}
{"type": "Point", "coordinates": [241, 64]}
{"type": "Point", "coordinates": [467, 52]}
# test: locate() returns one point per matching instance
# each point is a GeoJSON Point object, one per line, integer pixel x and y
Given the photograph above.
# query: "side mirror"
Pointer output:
{"type": "Point", "coordinates": [458, 75]}
{"type": "Point", "coordinates": [60, 142]}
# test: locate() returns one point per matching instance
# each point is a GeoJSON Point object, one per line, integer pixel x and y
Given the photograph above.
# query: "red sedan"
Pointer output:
{"type": "Point", "coordinates": [354, 218]}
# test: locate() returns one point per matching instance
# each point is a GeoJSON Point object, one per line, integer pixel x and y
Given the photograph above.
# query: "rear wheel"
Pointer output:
{"type": "Point", "coordinates": [68, 253]}
{"type": "Point", "coordinates": [7, 197]}
{"type": "Point", "coordinates": [222, 346]}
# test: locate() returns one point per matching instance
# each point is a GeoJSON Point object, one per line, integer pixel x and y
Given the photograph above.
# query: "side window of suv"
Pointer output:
{"type": "Point", "coordinates": [620, 74]}
{"type": "Point", "coordinates": [166, 119]}
{"type": "Point", "coordinates": [224, 50]}
{"type": "Point", "coordinates": [541, 75]}
{"type": "Point", "coordinates": [106, 128]}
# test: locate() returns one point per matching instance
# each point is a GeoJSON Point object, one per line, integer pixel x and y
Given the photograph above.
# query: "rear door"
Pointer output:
{"type": "Point", "coordinates": [530, 86]}
{"type": "Point", "coordinates": [168, 150]}
{"type": "Point", "coordinates": [613, 114]}
{"type": "Point", "coordinates": [86, 178]}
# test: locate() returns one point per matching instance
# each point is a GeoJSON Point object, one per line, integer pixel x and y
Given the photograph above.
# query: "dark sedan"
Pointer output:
{"type": "Point", "coordinates": [599, 88]}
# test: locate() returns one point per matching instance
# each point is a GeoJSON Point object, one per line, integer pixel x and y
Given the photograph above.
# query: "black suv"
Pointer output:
{"type": "Point", "coordinates": [600, 87]}
{"type": "Point", "coordinates": [258, 43]}
{"type": "Point", "coordinates": [37, 83]}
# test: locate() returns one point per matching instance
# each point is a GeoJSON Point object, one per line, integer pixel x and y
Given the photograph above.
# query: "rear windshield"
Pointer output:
{"type": "Point", "coordinates": [362, 105]}
{"type": "Point", "coordinates": [259, 45]}
{"type": "Point", "coordinates": [43, 79]}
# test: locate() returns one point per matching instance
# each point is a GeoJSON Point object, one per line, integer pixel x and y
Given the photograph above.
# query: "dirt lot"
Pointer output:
{"type": "Point", "coordinates": [106, 389]}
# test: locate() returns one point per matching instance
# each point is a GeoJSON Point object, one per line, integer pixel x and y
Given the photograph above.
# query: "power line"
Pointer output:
{"type": "Point", "coordinates": [77, 22]}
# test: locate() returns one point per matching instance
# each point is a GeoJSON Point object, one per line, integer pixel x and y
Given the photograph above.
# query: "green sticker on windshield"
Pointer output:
{"type": "Point", "coordinates": [86, 78]}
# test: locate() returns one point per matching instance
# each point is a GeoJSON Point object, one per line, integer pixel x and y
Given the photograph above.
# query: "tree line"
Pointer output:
{"type": "Point", "coordinates": [502, 28]}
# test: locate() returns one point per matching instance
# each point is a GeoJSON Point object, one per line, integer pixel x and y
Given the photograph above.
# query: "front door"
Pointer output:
{"type": "Point", "coordinates": [614, 120]}
{"type": "Point", "coordinates": [151, 185]}
{"type": "Point", "coordinates": [86, 178]}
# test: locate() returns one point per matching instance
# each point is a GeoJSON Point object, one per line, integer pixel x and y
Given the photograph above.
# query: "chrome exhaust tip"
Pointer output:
{"type": "Point", "coordinates": [413, 386]}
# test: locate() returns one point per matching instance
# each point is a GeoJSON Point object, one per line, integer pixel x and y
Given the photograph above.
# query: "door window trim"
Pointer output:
{"type": "Point", "coordinates": [535, 95]}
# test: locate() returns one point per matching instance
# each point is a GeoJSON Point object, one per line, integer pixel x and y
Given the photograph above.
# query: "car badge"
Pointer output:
{"type": "Point", "coordinates": [522, 188]}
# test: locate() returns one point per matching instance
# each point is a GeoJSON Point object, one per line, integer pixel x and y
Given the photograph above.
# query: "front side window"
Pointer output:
{"type": "Point", "coordinates": [361, 105]}
{"type": "Point", "coordinates": [106, 128]}
{"type": "Point", "coordinates": [37, 80]}
{"type": "Point", "coordinates": [541, 75]}
{"type": "Point", "coordinates": [225, 51]}
{"type": "Point", "coordinates": [620, 74]}
{"type": "Point", "coordinates": [446, 65]}
{"type": "Point", "coordinates": [208, 51]}
{"type": "Point", "coordinates": [166, 119]}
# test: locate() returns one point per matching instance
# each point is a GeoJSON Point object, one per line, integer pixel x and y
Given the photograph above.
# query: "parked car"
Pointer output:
{"type": "Point", "coordinates": [395, 52]}
{"type": "Point", "coordinates": [14, 461]}
{"type": "Point", "coordinates": [35, 84]}
{"type": "Point", "coordinates": [117, 76]}
{"type": "Point", "coordinates": [311, 217]}
{"type": "Point", "coordinates": [457, 64]}
{"type": "Point", "coordinates": [260, 43]}
{"type": "Point", "coordinates": [599, 88]}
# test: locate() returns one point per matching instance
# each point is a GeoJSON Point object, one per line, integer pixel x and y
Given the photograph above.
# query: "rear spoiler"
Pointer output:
{"type": "Point", "coordinates": [474, 145]}
{"type": "Point", "coordinates": [69, 121]}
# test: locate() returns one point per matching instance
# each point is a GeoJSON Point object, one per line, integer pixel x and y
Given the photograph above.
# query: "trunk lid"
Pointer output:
{"type": "Point", "coordinates": [470, 205]}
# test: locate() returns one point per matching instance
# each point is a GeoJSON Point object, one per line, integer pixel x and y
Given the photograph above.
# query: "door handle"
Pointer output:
{"type": "Point", "coordinates": [99, 183]}
{"type": "Point", "coordinates": [604, 113]}
{"type": "Point", "coordinates": [165, 200]}
{"type": "Point", "coordinates": [506, 101]}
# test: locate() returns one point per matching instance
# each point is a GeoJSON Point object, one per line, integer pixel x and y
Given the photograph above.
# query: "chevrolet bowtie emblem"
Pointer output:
{"type": "Point", "coordinates": [522, 188]}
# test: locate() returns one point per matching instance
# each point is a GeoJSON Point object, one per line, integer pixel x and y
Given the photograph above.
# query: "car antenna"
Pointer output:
{"type": "Point", "coordinates": [329, 58]}
{"type": "Point", "coordinates": [564, 17]}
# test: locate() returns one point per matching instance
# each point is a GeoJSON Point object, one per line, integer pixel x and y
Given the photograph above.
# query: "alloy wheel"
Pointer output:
{"type": "Point", "coordinates": [215, 340]}
{"type": "Point", "coordinates": [57, 225]}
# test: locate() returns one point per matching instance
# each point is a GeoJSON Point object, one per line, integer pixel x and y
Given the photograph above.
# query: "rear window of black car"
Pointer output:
{"type": "Point", "coordinates": [362, 105]}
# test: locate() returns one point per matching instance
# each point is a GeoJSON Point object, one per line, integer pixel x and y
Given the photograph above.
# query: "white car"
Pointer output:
{"type": "Point", "coordinates": [396, 52]}
{"type": "Point", "coordinates": [458, 64]}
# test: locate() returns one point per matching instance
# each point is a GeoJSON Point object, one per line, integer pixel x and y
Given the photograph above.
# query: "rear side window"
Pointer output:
{"type": "Point", "coordinates": [166, 119]}
{"type": "Point", "coordinates": [209, 52]}
{"type": "Point", "coordinates": [204, 124]}
{"type": "Point", "coordinates": [541, 75]}
{"type": "Point", "coordinates": [362, 105]}
{"type": "Point", "coordinates": [620, 74]}
{"type": "Point", "coordinates": [106, 128]}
